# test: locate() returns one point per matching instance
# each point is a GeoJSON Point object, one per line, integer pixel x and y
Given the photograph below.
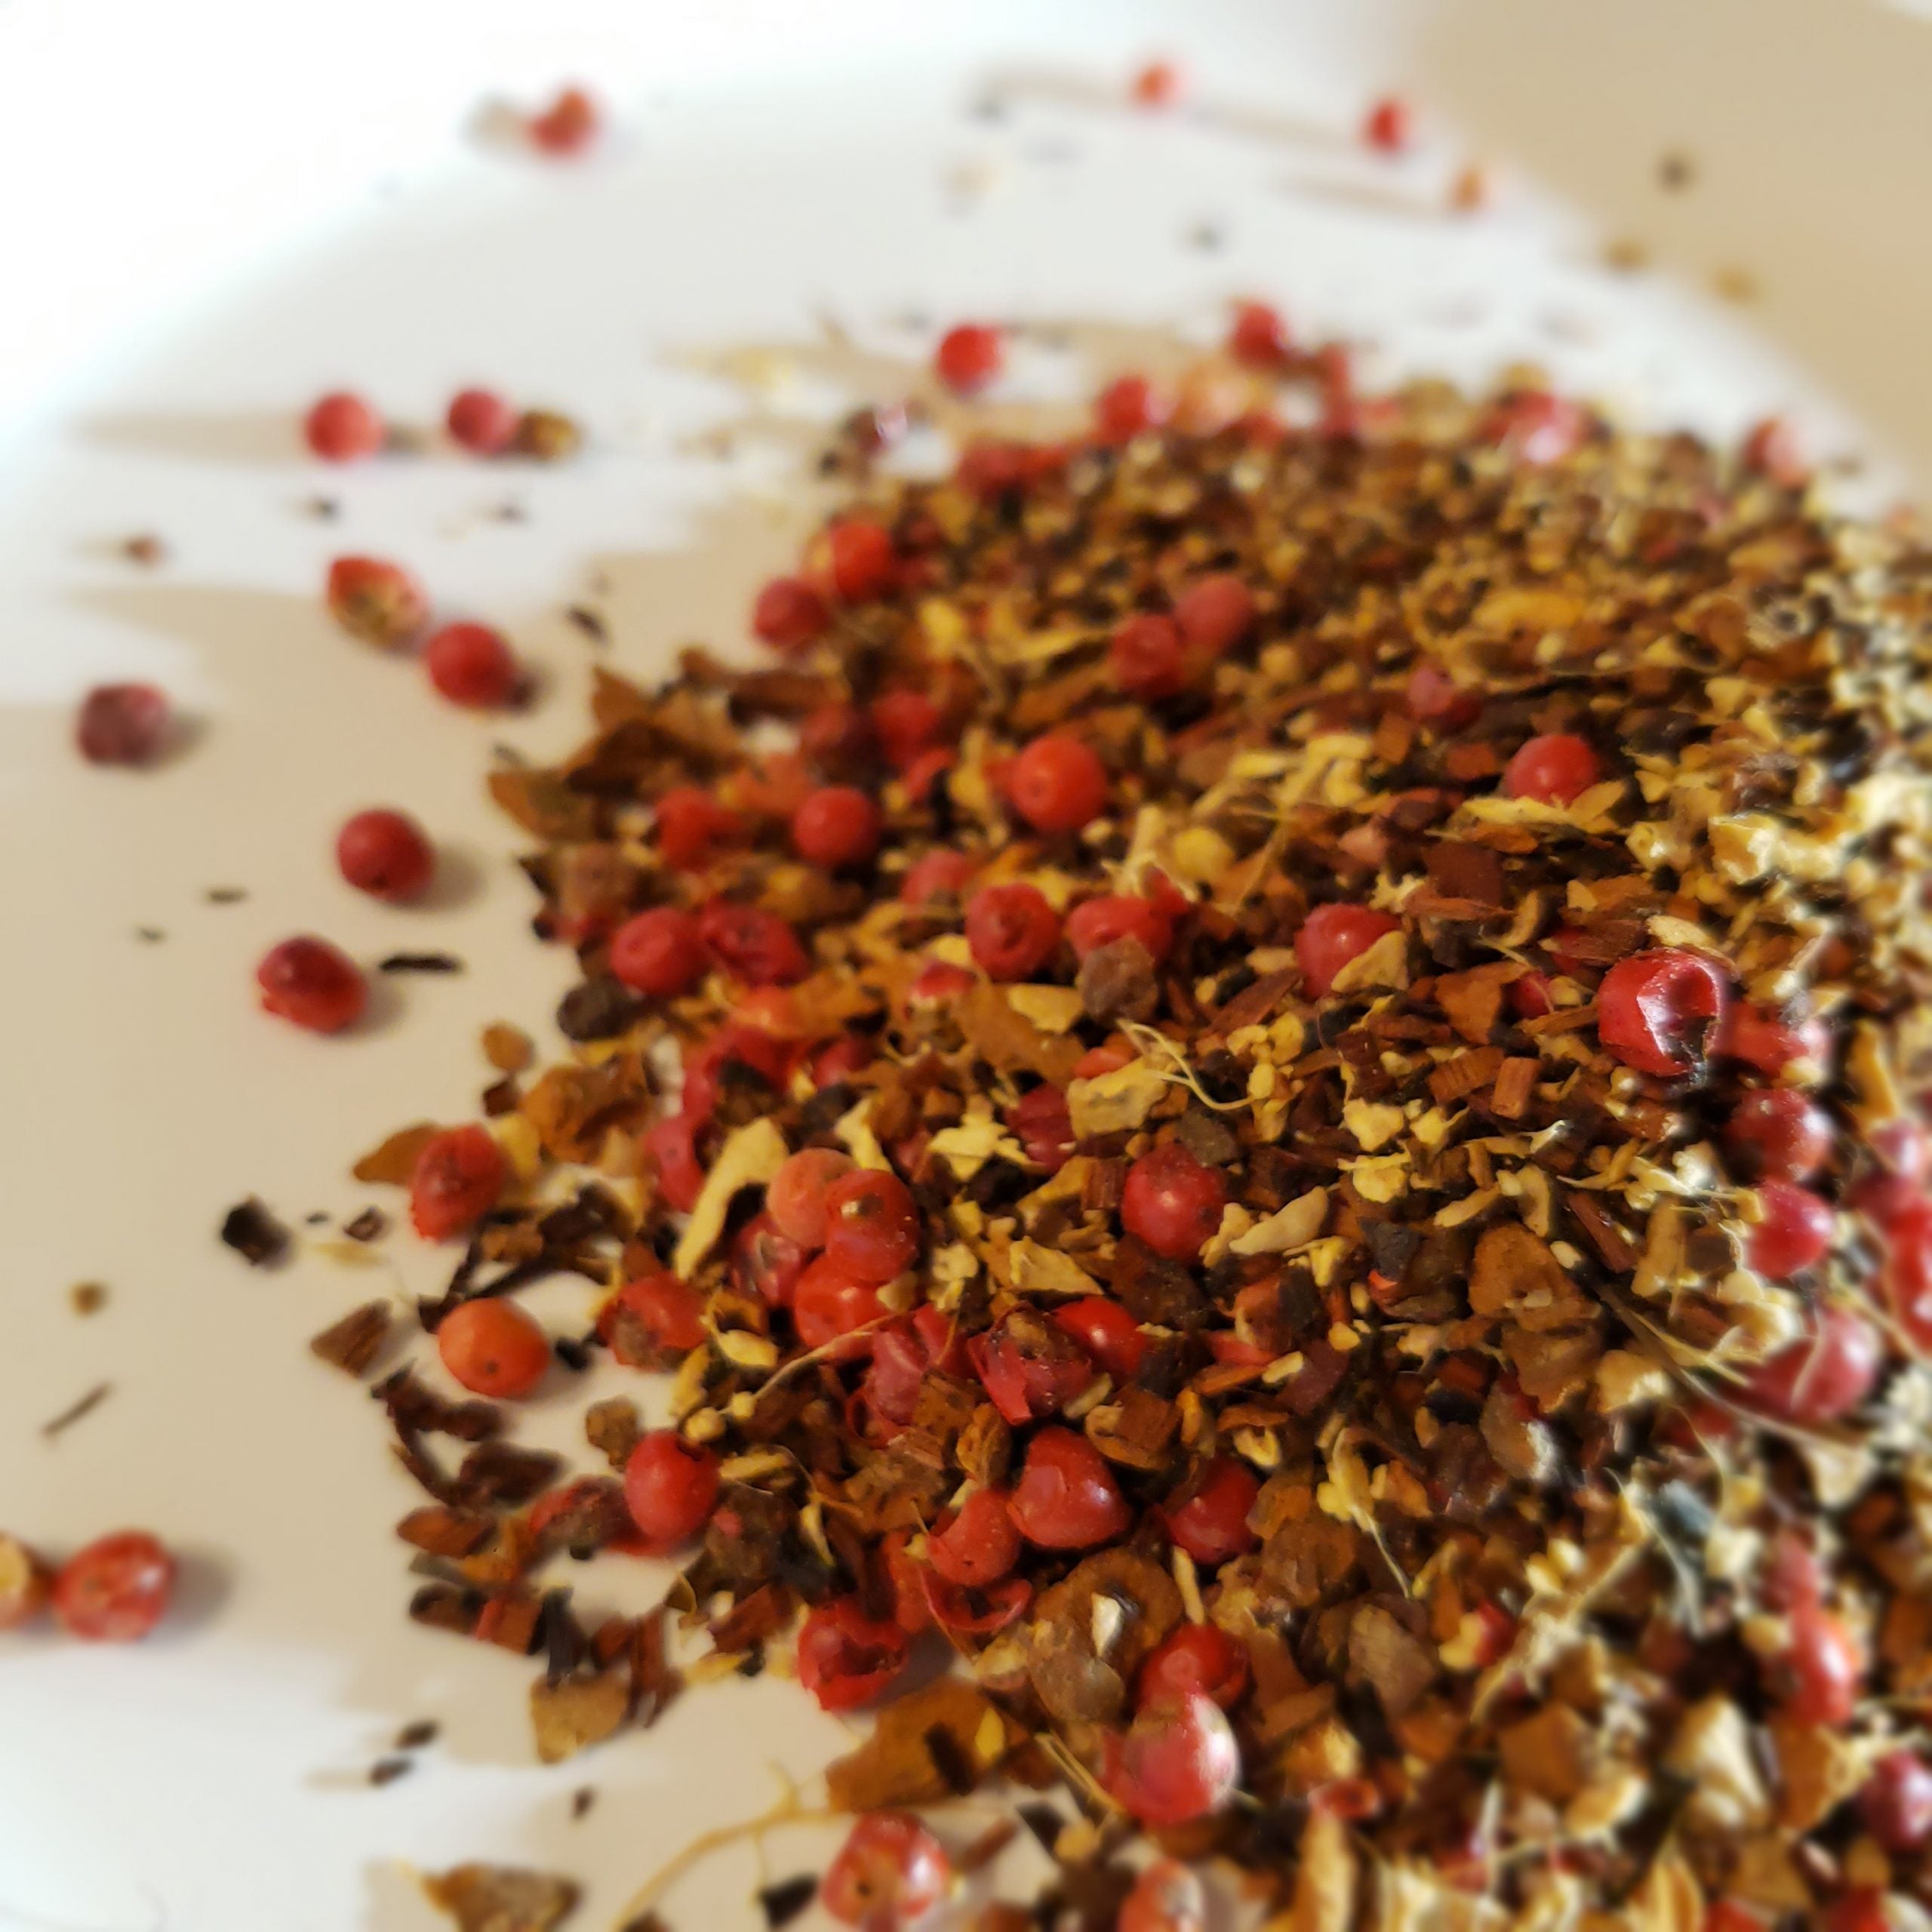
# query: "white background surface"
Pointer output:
{"type": "Point", "coordinates": [208, 213]}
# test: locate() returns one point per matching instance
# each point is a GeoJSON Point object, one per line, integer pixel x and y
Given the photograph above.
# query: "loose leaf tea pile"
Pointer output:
{"type": "Point", "coordinates": [1295, 1132]}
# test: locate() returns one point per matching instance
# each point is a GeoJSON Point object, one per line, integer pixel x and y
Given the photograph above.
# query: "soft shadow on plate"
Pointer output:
{"type": "Point", "coordinates": [254, 437]}
{"type": "Point", "coordinates": [1104, 94]}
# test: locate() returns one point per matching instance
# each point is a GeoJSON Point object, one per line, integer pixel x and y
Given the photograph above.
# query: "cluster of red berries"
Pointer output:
{"type": "Point", "coordinates": [344, 427]}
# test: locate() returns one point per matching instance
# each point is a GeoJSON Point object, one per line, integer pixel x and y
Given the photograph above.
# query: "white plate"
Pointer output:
{"type": "Point", "coordinates": [213, 211]}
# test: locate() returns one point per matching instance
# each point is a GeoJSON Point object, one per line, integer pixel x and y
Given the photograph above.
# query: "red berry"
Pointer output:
{"type": "Point", "coordinates": [668, 1312]}
{"type": "Point", "coordinates": [493, 1348]}
{"type": "Point", "coordinates": [1775, 1134]}
{"type": "Point", "coordinates": [991, 470]}
{"type": "Point", "coordinates": [690, 824]}
{"type": "Point", "coordinates": [977, 1544]}
{"type": "Point", "coordinates": [1172, 1201]}
{"type": "Point", "coordinates": [1773, 450]}
{"type": "Point", "coordinates": [121, 724]}
{"type": "Point", "coordinates": [975, 1613]}
{"type": "Point", "coordinates": [671, 1146]}
{"type": "Point", "coordinates": [1099, 1060]}
{"type": "Point", "coordinates": [1042, 1124]}
{"type": "Point", "coordinates": [1657, 1011]}
{"type": "Point", "coordinates": [1791, 1575]}
{"type": "Point", "coordinates": [938, 984]}
{"type": "Point", "coordinates": [795, 1199]}
{"type": "Point", "coordinates": [378, 602]}
{"type": "Point", "coordinates": [766, 1261]}
{"type": "Point", "coordinates": [1166, 1897]}
{"type": "Point", "coordinates": [889, 1388]}
{"type": "Point", "coordinates": [1529, 996]}
{"type": "Point", "coordinates": [385, 854]}
{"type": "Point", "coordinates": [310, 982]}
{"type": "Point", "coordinates": [481, 422]}
{"type": "Point", "coordinates": [1057, 783]}
{"type": "Point", "coordinates": [1333, 935]}
{"type": "Point", "coordinates": [1389, 126]}
{"type": "Point", "coordinates": [1553, 769]}
{"type": "Point", "coordinates": [789, 614]}
{"type": "Point", "coordinates": [1257, 336]}
{"type": "Point", "coordinates": [968, 358]}
{"type": "Point", "coordinates": [568, 126]}
{"type": "Point", "coordinates": [1538, 426]}
{"type": "Point", "coordinates": [1066, 1497]}
{"type": "Point", "coordinates": [1728, 1916]}
{"type": "Point", "coordinates": [1341, 408]}
{"type": "Point", "coordinates": [1823, 1671]}
{"type": "Point", "coordinates": [455, 1181]}
{"type": "Point", "coordinates": [1029, 1368]}
{"type": "Point", "coordinates": [1157, 84]}
{"type": "Point", "coordinates": [115, 1590]}
{"type": "Point", "coordinates": [1906, 1275]}
{"type": "Point", "coordinates": [1107, 1332]}
{"type": "Point", "coordinates": [1896, 1803]}
{"type": "Point", "coordinates": [341, 427]}
{"type": "Point", "coordinates": [836, 1062]}
{"type": "Point", "coordinates": [922, 774]}
{"type": "Point", "coordinates": [940, 873]}
{"type": "Point", "coordinates": [470, 664]}
{"type": "Point", "coordinates": [1127, 407]}
{"type": "Point", "coordinates": [1197, 1657]}
{"type": "Point", "coordinates": [1823, 1376]}
{"type": "Point", "coordinates": [1903, 1147]}
{"type": "Point", "coordinates": [837, 739]}
{"type": "Point", "coordinates": [845, 1657]}
{"type": "Point", "coordinates": [1147, 659]}
{"type": "Point", "coordinates": [1215, 613]}
{"type": "Point", "coordinates": [890, 1872]}
{"type": "Point", "coordinates": [736, 1054]}
{"type": "Point", "coordinates": [829, 1302]}
{"type": "Point", "coordinates": [1094, 923]}
{"type": "Point", "coordinates": [1012, 930]}
{"type": "Point", "coordinates": [838, 827]}
{"type": "Point", "coordinates": [872, 1227]}
{"type": "Point", "coordinates": [1794, 1229]}
{"type": "Point", "coordinates": [1179, 1761]}
{"type": "Point", "coordinates": [25, 1582]}
{"type": "Point", "coordinates": [660, 952]}
{"type": "Point", "coordinates": [1861, 1910]}
{"type": "Point", "coordinates": [907, 723]}
{"type": "Point", "coordinates": [861, 559]}
{"type": "Point", "coordinates": [1430, 697]}
{"type": "Point", "coordinates": [670, 1486]}
{"type": "Point", "coordinates": [1748, 1033]}
{"type": "Point", "coordinates": [1212, 1524]}
{"type": "Point", "coordinates": [752, 945]}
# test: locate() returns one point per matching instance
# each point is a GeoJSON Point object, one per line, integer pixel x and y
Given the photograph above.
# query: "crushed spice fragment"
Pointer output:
{"type": "Point", "coordinates": [76, 1411]}
{"type": "Point", "coordinates": [1255, 1203]}
{"type": "Point", "coordinates": [254, 1233]}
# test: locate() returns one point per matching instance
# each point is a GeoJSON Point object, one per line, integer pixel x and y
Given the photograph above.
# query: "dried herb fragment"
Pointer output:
{"type": "Point", "coordinates": [420, 962]}
{"type": "Point", "coordinates": [370, 1223]}
{"type": "Point", "coordinates": [254, 1234]}
{"type": "Point", "coordinates": [352, 1343]}
{"type": "Point", "coordinates": [783, 1902]}
{"type": "Point", "coordinates": [83, 1406]}
{"type": "Point", "coordinates": [501, 1898]}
